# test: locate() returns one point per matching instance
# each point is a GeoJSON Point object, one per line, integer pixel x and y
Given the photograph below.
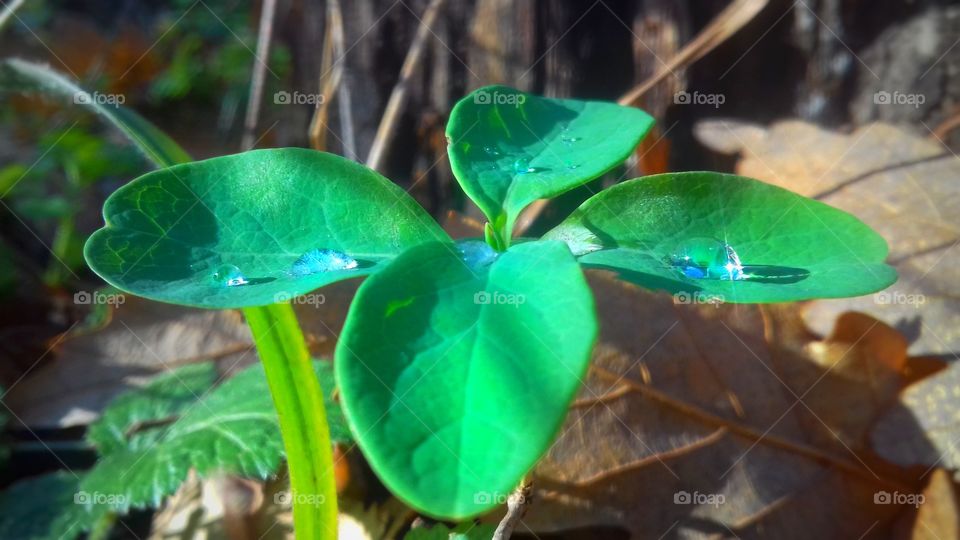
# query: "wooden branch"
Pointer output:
{"type": "Point", "coordinates": [398, 96]}
{"type": "Point", "coordinates": [517, 505]}
{"type": "Point", "coordinates": [725, 24]}
{"type": "Point", "coordinates": [9, 10]}
{"type": "Point", "coordinates": [331, 74]}
{"type": "Point", "coordinates": [259, 73]}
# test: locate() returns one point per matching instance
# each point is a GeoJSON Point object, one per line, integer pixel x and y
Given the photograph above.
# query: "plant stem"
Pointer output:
{"type": "Point", "coordinates": [517, 505]}
{"type": "Point", "coordinates": [101, 529]}
{"type": "Point", "coordinates": [303, 420]}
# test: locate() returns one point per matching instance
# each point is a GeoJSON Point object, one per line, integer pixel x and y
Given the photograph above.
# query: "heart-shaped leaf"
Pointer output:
{"type": "Point", "coordinates": [508, 148]}
{"type": "Point", "coordinates": [253, 229]}
{"type": "Point", "coordinates": [456, 367]}
{"type": "Point", "coordinates": [790, 247]}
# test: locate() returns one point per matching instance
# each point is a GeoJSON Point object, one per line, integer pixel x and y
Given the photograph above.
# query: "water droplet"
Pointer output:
{"type": "Point", "coordinates": [491, 150]}
{"type": "Point", "coordinates": [567, 140]}
{"type": "Point", "coordinates": [321, 260]}
{"type": "Point", "coordinates": [522, 166]}
{"type": "Point", "coordinates": [706, 258]}
{"type": "Point", "coordinates": [571, 166]}
{"type": "Point", "coordinates": [477, 253]}
{"type": "Point", "coordinates": [228, 275]}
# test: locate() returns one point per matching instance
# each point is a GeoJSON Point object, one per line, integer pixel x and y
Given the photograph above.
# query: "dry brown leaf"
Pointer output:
{"type": "Point", "coordinates": [142, 339]}
{"type": "Point", "coordinates": [700, 403]}
{"type": "Point", "coordinates": [937, 512]}
{"type": "Point", "coordinates": [902, 185]}
{"type": "Point", "coordinates": [923, 428]}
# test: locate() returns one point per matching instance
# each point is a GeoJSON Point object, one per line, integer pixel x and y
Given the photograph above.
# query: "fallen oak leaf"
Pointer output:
{"type": "Point", "coordinates": [900, 184]}
{"type": "Point", "coordinates": [689, 424]}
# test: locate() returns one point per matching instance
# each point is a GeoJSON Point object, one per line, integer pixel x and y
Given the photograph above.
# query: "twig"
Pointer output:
{"type": "Point", "coordinates": [331, 73]}
{"type": "Point", "coordinates": [951, 123]}
{"type": "Point", "coordinates": [398, 96]}
{"type": "Point", "coordinates": [724, 25]}
{"type": "Point", "coordinates": [259, 72]}
{"type": "Point", "coordinates": [517, 505]}
{"type": "Point", "coordinates": [9, 10]}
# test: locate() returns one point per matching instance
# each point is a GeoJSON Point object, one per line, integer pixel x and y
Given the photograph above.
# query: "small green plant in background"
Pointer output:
{"type": "Point", "coordinates": [459, 358]}
{"type": "Point", "coordinates": [53, 186]}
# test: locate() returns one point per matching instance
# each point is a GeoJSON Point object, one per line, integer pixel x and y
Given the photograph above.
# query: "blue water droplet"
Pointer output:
{"type": "Point", "coordinates": [522, 166]}
{"type": "Point", "coordinates": [567, 140]}
{"type": "Point", "coordinates": [321, 260]}
{"type": "Point", "coordinates": [706, 258]}
{"type": "Point", "coordinates": [491, 150]}
{"type": "Point", "coordinates": [571, 166]}
{"type": "Point", "coordinates": [477, 253]}
{"type": "Point", "coordinates": [228, 275]}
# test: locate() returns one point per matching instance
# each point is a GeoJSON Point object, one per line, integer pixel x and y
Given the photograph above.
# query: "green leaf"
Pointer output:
{"type": "Point", "coordinates": [138, 419]}
{"type": "Point", "coordinates": [127, 422]}
{"type": "Point", "coordinates": [792, 248]}
{"type": "Point", "coordinates": [149, 438]}
{"type": "Point", "coordinates": [46, 507]}
{"type": "Point", "coordinates": [232, 429]}
{"type": "Point", "coordinates": [170, 232]}
{"type": "Point", "coordinates": [21, 76]}
{"type": "Point", "coordinates": [455, 372]}
{"type": "Point", "coordinates": [508, 148]}
{"type": "Point", "coordinates": [463, 531]}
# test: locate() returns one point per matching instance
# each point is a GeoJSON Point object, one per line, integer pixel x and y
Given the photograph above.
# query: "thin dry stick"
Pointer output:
{"type": "Point", "coordinates": [398, 96]}
{"type": "Point", "coordinates": [331, 72]}
{"type": "Point", "coordinates": [725, 24]}
{"type": "Point", "coordinates": [259, 72]}
{"type": "Point", "coordinates": [517, 505]}
{"type": "Point", "coordinates": [9, 10]}
{"type": "Point", "coordinates": [951, 123]}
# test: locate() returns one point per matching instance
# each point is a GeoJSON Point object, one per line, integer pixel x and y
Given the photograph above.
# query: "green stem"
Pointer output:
{"type": "Point", "coordinates": [303, 420]}
{"type": "Point", "coordinates": [101, 529]}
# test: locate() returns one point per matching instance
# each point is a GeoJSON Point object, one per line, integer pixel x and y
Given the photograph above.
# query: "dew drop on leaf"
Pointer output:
{"type": "Point", "coordinates": [316, 261]}
{"type": "Point", "coordinates": [706, 258]}
{"type": "Point", "coordinates": [228, 275]}
{"type": "Point", "coordinates": [522, 166]}
{"type": "Point", "coordinates": [476, 253]}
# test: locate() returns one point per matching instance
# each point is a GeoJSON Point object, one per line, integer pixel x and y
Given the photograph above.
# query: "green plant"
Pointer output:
{"type": "Point", "coordinates": [458, 359]}
{"type": "Point", "coordinates": [146, 442]}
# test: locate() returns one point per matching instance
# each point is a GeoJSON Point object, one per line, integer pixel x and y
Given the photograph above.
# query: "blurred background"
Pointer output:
{"type": "Point", "coordinates": [800, 417]}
